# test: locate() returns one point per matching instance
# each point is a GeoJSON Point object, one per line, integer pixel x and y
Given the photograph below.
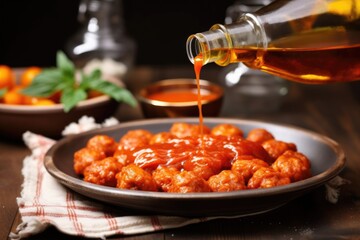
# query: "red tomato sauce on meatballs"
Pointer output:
{"type": "Point", "coordinates": [179, 161]}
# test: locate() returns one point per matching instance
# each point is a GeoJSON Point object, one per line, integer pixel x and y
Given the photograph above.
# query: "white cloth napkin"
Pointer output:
{"type": "Point", "coordinates": [45, 202]}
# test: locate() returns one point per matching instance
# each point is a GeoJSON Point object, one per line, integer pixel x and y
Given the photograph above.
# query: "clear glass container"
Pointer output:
{"type": "Point", "coordinates": [102, 42]}
{"type": "Point", "coordinates": [309, 41]}
{"type": "Point", "coordinates": [249, 91]}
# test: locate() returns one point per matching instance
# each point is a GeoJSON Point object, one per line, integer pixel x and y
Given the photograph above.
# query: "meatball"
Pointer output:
{"type": "Point", "coordinates": [182, 161]}
{"type": "Point", "coordinates": [129, 142]}
{"type": "Point", "coordinates": [247, 167]}
{"type": "Point", "coordinates": [245, 147]}
{"type": "Point", "coordinates": [135, 138]}
{"type": "Point", "coordinates": [182, 130]}
{"type": "Point", "coordinates": [162, 137]}
{"type": "Point", "coordinates": [259, 135]}
{"type": "Point", "coordinates": [226, 181]}
{"type": "Point", "coordinates": [294, 165]}
{"type": "Point", "coordinates": [103, 172]}
{"type": "Point", "coordinates": [186, 182]}
{"type": "Point", "coordinates": [84, 157]}
{"type": "Point", "coordinates": [124, 156]}
{"type": "Point", "coordinates": [226, 130]}
{"type": "Point", "coordinates": [204, 165]}
{"type": "Point", "coordinates": [135, 178]}
{"type": "Point", "coordinates": [102, 143]}
{"type": "Point", "coordinates": [266, 178]}
{"type": "Point", "coordinates": [163, 177]}
{"type": "Point", "coordinates": [276, 148]}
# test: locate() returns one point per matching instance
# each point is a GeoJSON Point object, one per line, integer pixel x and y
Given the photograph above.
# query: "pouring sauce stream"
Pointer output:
{"type": "Point", "coordinates": [198, 63]}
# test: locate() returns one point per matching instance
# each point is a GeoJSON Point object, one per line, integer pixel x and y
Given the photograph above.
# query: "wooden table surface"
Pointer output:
{"type": "Point", "coordinates": [332, 110]}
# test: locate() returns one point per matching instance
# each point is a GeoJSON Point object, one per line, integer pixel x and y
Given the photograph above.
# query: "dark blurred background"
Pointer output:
{"type": "Point", "coordinates": [32, 31]}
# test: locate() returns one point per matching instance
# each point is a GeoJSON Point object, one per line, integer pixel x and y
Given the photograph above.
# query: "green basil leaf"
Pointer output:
{"type": "Point", "coordinates": [51, 74]}
{"type": "Point", "coordinates": [96, 74]}
{"type": "Point", "coordinates": [65, 65]}
{"type": "Point", "coordinates": [85, 81]}
{"type": "Point", "coordinates": [114, 91]}
{"type": "Point", "coordinates": [2, 92]}
{"type": "Point", "coordinates": [70, 97]}
{"type": "Point", "coordinates": [44, 84]}
{"type": "Point", "coordinates": [62, 78]}
{"type": "Point", "coordinates": [64, 85]}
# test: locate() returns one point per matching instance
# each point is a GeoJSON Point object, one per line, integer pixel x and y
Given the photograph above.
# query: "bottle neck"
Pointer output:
{"type": "Point", "coordinates": [216, 45]}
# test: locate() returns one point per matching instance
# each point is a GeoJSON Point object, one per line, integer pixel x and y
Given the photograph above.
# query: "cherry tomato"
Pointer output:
{"type": "Point", "coordinates": [36, 101]}
{"type": "Point", "coordinates": [94, 93]}
{"type": "Point", "coordinates": [28, 75]}
{"type": "Point", "coordinates": [7, 77]}
{"type": "Point", "coordinates": [44, 102]}
{"type": "Point", "coordinates": [14, 96]}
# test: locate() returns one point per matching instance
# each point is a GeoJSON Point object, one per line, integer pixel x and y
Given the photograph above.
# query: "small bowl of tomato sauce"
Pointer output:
{"type": "Point", "coordinates": [180, 98]}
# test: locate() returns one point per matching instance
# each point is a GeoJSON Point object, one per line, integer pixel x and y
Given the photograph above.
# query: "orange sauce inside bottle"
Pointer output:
{"type": "Point", "coordinates": [305, 65]}
{"type": "Point", "coordinates": [304, 57]}
{"type": "Point", "coordinates": [317, 65]}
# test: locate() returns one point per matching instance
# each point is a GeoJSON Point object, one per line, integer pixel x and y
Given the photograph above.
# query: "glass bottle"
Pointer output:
{"type": "Point", "coordinates": [101, 42]}
{"type": "Point", "coordinates": [309, 41]}
{"type": "Point", "coordinates": [251, 91]}
{"type": "Point", "coordinates": [234, 11]}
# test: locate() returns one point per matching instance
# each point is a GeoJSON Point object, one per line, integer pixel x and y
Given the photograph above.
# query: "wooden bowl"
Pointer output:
{"type": "Point", "coordinates": [50, 121]}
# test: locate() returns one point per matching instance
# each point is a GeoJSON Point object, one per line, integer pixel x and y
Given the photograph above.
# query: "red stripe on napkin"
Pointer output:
{"type": "Point", "coordinates": [72, 214]}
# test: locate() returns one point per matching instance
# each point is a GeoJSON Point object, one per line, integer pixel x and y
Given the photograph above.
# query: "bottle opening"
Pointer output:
{"type": "Point", "coordinates": [212, 45]}
{"type": "Point", "coordinates": [193, 47]}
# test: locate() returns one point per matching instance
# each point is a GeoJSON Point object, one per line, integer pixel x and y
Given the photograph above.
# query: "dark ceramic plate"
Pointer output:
{"type": "Point", "coordinates": [326, 156]}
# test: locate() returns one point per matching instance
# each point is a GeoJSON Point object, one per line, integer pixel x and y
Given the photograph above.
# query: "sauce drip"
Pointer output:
{"type": "Point", "coordinates": [198, 63]}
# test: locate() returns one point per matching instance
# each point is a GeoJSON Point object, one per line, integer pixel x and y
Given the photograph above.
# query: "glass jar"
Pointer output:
{"type": "Point", "coordinates": [102, 42]}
